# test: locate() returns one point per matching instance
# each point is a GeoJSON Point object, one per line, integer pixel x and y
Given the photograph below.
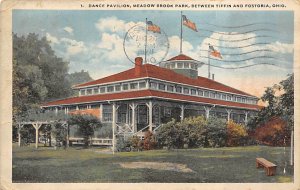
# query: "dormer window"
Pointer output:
{"type": "Point", "coordinates": [186, 91]}
{"type": "Point", "coordinates": [179, 65]}
{"type": "Point", "coordinates": [161, 86]}
{"type": "Point", "coordinates": [170, 88]}
{"type": "Point", "coordinates": [102, 89]}
{"type": "Point", "coordinates": [186, 65]}
{"type": "Point", "coordinates": [82, 92]}
{"type": "Point", "coordinates": [193, 91]}
{"type": "Point", "coordinates": [133, 86]}
{"type": "Point", "coordinates": [110, 88]}
{"type": "Point", "coordinates": [118, 88]}
{"type": "Point", "coordinates": [142, 85]}
{"type": "Point", "coordinates": [179, 89]}
{"type": "Point", "coordinates": [89, 91]}
{"type": "Point", "coordinates": [96, 90]}
{"type": "Point", "coordinates": [125, 86]}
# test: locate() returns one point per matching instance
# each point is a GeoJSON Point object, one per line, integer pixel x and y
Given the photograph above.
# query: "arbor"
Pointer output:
{"type": "Point", "coordinates": [87, 125]}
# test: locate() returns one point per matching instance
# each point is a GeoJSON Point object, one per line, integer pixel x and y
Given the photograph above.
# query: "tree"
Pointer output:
{"type": "Point", "coordinates": [149, 141]}
{"type": "Point", "coordinates": [38, 74]}
{"type": "Point", "coordinates": [79, 77]}
{"type": "Point", "coordinates": [87, 125]}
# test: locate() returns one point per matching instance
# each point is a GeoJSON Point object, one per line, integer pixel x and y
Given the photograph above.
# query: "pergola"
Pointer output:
{"type": "Point", "coordinates": [37, 125]}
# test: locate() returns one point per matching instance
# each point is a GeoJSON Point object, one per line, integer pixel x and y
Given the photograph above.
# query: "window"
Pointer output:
{"type": "Point", "coordinates": [218, 96]}
{"type": "Point", "coordinates": [125, 86]}
{"type": "Point", "coordinates": [133, 86]}
{"type": "Point", "coordinates": [193, 91]}
{"type": "Point", "coordinates": [153, 85]}
{"type": "Point", "coordinates": [96, 90]}
{"type": "Point", "coordinates": [82, 107]}
{"type": "Point", "coordinates": [142, 85]}
{"type": "Point", "coordinates": [95, 106]}
{"type": "Point", "coordinates": [238, 99]}
{"type": "Point", "coordinates": [118, 88]}
{"type": "Point", "coordinates": [229, 97]}
{"type": "Point", "coordinates": [173, 65]}
{"type": "Point", "coordinates": [170, 88]}
{"type": "Point", "coordinates": [234, 98]}
{"type": "Point", "coordinates": [186, 91]}
{"type": "Point", "coordinates": [206, 93]}
{"type": "Point", "coordinates": [186, 65]}
{"type": "Point", "coordinates": [212, 94]}
{"type": "Point", "coordinates": [179, 65]}
{"type": "Point", "coordinates": [243, 100]}
{"type": "Point", "coordinates": [102, 89]}
{"type": "Point", "coordinates": [107, 113]}
{"type": "Point", "coordinates": [168, 66]}
{"type": "Point", "coordinates": [223, 96]}
{"type": "Point", "coordinates": [179, 89]}
{"type": "Point", "coordinates": [200, 92]}
{"type": "Point", "coordinates": [82, 92]}
{"type": "Point", "coordinates": [89, 91]}
{"type": "Point", "coordinates": [161, 86]}
{"type": "Point", "coordinates": [110, 88]}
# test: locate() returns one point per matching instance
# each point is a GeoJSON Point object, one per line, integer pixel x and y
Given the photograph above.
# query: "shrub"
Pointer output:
{"type": "Point", "coordinates": [236, 134]}
{"type": "Point", "coordinates": [273, 132]}
{"type": "Point", "coordinates": [215, 132]}
{"type": "Point", "coordinates": [149, 141]}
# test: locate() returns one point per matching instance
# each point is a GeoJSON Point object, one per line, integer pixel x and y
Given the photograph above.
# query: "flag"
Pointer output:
{"type": "Point", "coordinates": [152, 27]}
{"type": "Point", "coordinates": [214, 52]}
{"type": "Point", "coordinates": [189, 23]}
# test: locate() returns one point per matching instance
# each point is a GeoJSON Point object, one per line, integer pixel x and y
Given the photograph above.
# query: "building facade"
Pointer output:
{"type": "Point", "coordinates": [146, 96]}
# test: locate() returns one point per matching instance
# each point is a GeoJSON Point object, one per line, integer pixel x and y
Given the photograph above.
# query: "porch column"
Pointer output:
{"type": "Point", "coordinates": [36, 126]}
{"type": "Point", "coordinates": [182, 112]}
{"type": "Point", "coordinates": [133, 107]}
{"type": "Point", "coordinates": [19, 134]}
{"type": "Point", "coordinates": [101, 112]}
{"type": "Point", "coordinates": [68, 138]}
{"type": "Point", "coordinates": [77, 108]}
{"type": "Point", "coordinates": [150, 107]}
{"type": "Point", "coordinates": [56, 110]}
{"type": "Point", "coordinates": [207, 110]}
{"type": "Point", "coordinates": [246, 117]}
{"type": "Point", "coordinates": [113, 124]}
{"type": "Point", "coordinates": [228, 113]}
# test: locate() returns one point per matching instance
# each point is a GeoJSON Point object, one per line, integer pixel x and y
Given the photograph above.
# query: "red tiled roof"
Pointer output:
{"type": "Point", "coordinates": [180, 57]}
{"type": "Point", "coordinates": [149, 70]}
{"type": "Point", "coordinates": [147, 94]}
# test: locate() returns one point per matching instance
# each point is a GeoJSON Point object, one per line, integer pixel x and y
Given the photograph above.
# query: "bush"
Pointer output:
{"type": "Point", "coordinates": [273, 132]}
{"type": "Point", "coordinates": [149, 141]}
{"type": "Point", "coordinates": [236, 134]}
{"type": "Point", "coordinates": [215, 132]}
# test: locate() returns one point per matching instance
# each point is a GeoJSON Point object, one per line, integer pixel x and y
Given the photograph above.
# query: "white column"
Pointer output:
{"type": "Point", "coordinates": [147, 84]}
{"type": "Point", "coordinates": [113, 125]}
{"type": "Point", "coordinates": [19, 134]}
{"type": "Point", "coordinates": [36, 126]}
{"type": "Point", "coordinates": [150, 108]}
{"type": "Point", "coordinates": [68, 138]}
{"type": "Point", "coordinates": [56, 110]}
{"type": "Point", "coordinates": [77, 108]}
{"type": "Point", "coordinates": [133, 107]}
{"type": "Point", "coordinates": [101, 112]}
{"type": "Point", "coordinates": [182, 113]}
{"type": "Point", "coordinates": [207, 110]}
{"type": "Point", "coordinates": [246, 117]}
{"type": "Point", "coordinates": [228, 113]}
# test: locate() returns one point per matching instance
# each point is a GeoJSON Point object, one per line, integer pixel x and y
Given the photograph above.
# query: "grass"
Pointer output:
{"type": "Point", "coordinates": [209, 165]}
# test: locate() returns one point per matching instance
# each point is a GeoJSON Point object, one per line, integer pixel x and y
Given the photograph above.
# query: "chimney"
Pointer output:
{"type": "Point", "coordinates": [138, 66]}
{"type": "Point", "coordinates": [213, 76]}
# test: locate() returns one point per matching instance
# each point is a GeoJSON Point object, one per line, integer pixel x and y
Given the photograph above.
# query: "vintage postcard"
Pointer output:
{"type": "Point", "coordinates": [149, 94]}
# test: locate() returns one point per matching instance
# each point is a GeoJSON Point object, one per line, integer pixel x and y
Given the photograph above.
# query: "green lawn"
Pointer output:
{"type": "Point", "coordinates": [209, 165]}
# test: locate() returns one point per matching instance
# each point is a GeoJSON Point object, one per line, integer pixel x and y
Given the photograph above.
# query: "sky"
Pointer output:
{"type": "Point", "coordinates": [93, 41]}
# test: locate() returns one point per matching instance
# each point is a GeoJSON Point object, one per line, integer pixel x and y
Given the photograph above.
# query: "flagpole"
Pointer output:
{"type": "Point", "coordinates": [181, 32]}
{"type": "Point", "coordinates": [208, 62]}
{"type": "Point", "coordinates": [145, 61]}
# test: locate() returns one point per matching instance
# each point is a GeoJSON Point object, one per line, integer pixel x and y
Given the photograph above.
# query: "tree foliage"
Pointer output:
{"type": "Point", "coordinates": [38, 74]}
{"type": "Point", "coordinates": [279, 109]}
{"type": "Point", "coordinates": [87, 125]}
{"type": "Point", "coordinates": [236, 134]}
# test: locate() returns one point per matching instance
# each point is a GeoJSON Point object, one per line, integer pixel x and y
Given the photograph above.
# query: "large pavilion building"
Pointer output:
{"type": "Point", "coordinates": [146, 96]}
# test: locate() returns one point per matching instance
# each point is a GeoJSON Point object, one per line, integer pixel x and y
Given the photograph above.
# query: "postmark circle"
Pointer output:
{"type": "Point", "coordinates": [135, 41]}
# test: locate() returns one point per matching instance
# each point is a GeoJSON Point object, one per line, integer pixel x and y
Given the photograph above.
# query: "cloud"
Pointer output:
{"type": "Point", "coordinates": [73, 47]}
{"type": "Point", "coordinates": [52, 39]}
{"type": "Point", "coordinates": [69, 30]}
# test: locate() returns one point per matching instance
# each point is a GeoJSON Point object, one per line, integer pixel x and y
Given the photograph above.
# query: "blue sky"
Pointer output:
{"type": "Point", "coordinates": [93, 40]}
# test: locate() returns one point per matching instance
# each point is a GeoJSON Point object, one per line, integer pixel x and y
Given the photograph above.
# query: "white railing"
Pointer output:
{"type": "Point", "coordinates": [95, 141]}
